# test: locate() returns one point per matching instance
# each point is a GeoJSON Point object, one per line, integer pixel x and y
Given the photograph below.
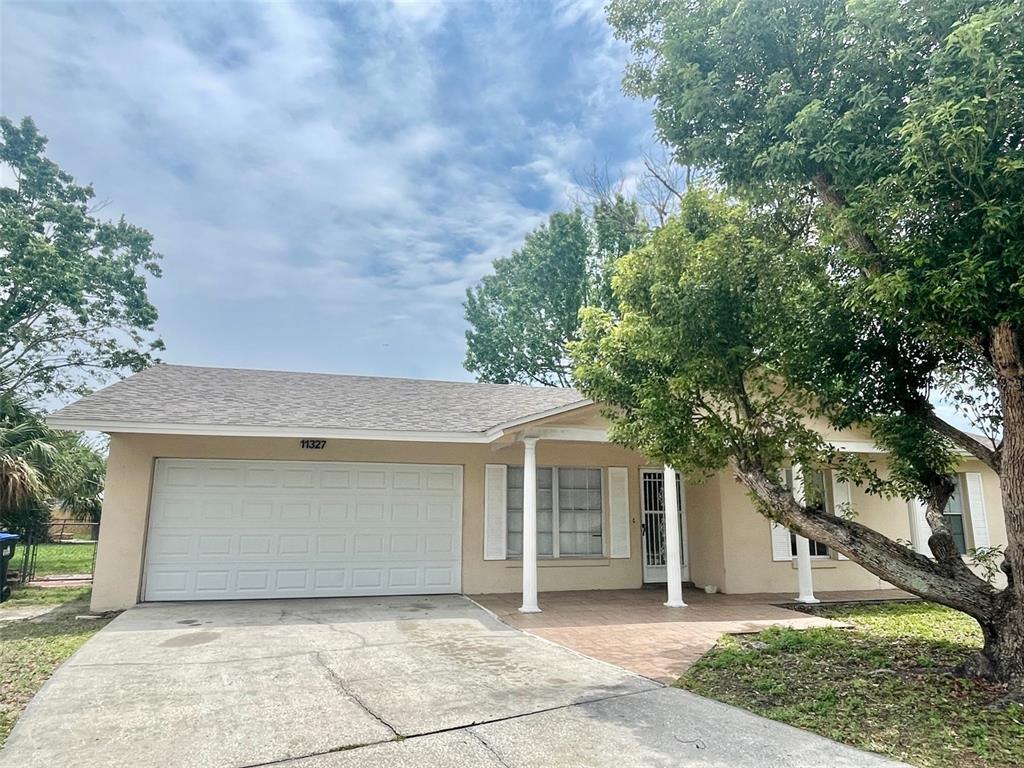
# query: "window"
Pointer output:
{"type": "Point", "coordinates": [817, 548]}
{"type": "Point", "coordinates": [579, 512]}
{"type": "Point", "coordinates": [955, 517]}
{"type": "Point", "coordinates": [824, 501]}
{"type": "Point", "coordinates": [569, 501]}
{"type": "Point", "coordinates": [545, 514]}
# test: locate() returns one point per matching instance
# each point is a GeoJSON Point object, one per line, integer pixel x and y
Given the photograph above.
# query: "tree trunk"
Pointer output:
{"type": "Point", "coordinates": [950, 583]}
{"type": "Point", "coordinates": [1008, 360]}
{"type": "Point", "coordinates": [1005, 648]}
{"type": "Point", "coordinates": [947, 581]}
{"type": "Point", "coordinates": [1002, 657]}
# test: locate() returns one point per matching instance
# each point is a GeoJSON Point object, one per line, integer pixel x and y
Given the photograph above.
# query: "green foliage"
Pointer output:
{"type": "Point", "coordinates": [720, 350]}
{"type": "Point", "coordinates": [884, 685]}
{"type": "Point", "coordinates": [690, 339]}
{"type": "Point", "coordinates": [29, 459]}
{"type": "Point", "coordinates": [905, 120]}
{"type": "Point", "coordinates": [953, 211]}
{"type": "Point", "coordinates": [41, 468]}
{"type": "Point", "coordinates": [73, 302]}
{"type": "Point", "coordinates": [522, 317]}
{"type": "Point", "coordinates": [79, 485]}
{"type": "Point", "coordinates": [903, 124]}
{"type": "Point", "coordinates": [988, 560]}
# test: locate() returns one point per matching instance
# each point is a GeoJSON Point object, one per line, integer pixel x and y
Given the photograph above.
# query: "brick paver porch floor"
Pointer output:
{"type": "Point", "coordinates": [632, 629]}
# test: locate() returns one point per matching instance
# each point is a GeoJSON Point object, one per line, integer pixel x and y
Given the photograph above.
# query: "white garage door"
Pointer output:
{"type": "Point", "coordinates": [247, 529]}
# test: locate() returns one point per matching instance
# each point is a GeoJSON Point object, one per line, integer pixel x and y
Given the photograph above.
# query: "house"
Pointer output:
{"type": "Point", "coordinates": [228, 484]}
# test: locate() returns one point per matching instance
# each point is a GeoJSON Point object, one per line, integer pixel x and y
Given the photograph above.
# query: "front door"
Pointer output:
{"type": "Point", "coordinates": [652, 489]}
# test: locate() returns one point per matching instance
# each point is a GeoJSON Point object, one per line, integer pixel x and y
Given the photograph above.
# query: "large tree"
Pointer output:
{"type": "Point", "coordinates": [523, 315]}
{"type": "Point", "coordinates": [903, 124]}
{"type": "Point", "coordinates": [73, 303]}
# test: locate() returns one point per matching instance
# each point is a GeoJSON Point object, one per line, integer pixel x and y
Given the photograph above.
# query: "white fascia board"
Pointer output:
{"type": "Point", "coordinates": [499, 429]}
{"type": "Point", "coordinates": [219, 430]}
{"type": "Point", "coordinates": [855, 446]}
{"type": "Point", "coordinates": [573, 434]}
{"type": "Point", "coordinates": [866, 446]}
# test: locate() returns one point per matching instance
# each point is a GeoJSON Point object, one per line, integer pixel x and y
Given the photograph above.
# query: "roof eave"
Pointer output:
{"type": "Point", "coordinates": [109, 426]}
{"type": "Point", "coordinates": [499, 429]}
{"type": "Point", "coordinates": [72, 424]}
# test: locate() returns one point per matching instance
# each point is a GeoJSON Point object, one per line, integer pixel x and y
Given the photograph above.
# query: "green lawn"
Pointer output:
{"type": "Point", "coordinates": [62, 559]}
{"type": "Point", "coordinates": [31, 649]}
{"type": "Point", "coordinates": [885, 686]}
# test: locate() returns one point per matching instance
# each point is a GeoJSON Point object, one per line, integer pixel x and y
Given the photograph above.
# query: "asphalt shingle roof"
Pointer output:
{"type": "Point", "coordinates": [231, 397]}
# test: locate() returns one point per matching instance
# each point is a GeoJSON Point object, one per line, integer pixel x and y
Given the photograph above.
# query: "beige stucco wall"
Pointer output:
{"type": "Point", "coordinates": [704, 532]}
{"type": "Point", "coordinates": [130, 469]}
{"type": "Point", "coordinates": [729, 542]}
{"type": "Point", "coordinates": [747, 541]}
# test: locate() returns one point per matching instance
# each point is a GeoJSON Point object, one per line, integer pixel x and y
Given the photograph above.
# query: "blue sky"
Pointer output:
{"type": "Point", "coordinates": [324, 180]}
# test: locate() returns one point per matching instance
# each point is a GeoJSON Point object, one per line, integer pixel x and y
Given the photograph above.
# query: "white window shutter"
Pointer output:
{"type": "Point", "coordinates": [842, 501]}
{"type": "Point", "coordinates": [976, 509]}
{"type": "Point", "coordinates": [782, 547]}
{"type": "Point", "coordinates": [618, 511]}
{"type": "Point", "coordinates": [920, 531]}
{"type": "Point", "coordinates": [495, 512]}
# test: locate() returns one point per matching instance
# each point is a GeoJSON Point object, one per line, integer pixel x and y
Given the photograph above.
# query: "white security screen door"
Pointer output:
{"type": "Point", "coordinates": [250, 529]}
{"type": "Point", "coordinates": [652, 489]}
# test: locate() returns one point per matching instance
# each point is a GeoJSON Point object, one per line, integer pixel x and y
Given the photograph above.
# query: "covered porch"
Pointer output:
{"type": "Point", "coordinates": [634, 629]}
{"type": "Point", "coordinates": [664, 537]}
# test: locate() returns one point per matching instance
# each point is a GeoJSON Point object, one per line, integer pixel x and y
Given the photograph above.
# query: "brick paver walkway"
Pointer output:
{"type": "Point", "coordinates": [632, 629]}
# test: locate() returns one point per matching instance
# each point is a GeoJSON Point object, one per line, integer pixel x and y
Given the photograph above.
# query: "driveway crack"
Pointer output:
{"type": "Point", "coordinates": [488, 747]}
{"type": "Point", "coordinates": [340, 684]}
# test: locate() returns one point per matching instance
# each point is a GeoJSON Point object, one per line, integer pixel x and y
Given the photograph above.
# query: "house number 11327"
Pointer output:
{"type": "Point", "coordinates": [313, 445]}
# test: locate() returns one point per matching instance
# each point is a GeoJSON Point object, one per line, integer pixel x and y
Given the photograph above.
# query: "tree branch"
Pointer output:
{"type": "Point", "coordinates": [661, 178]}
{"type": "Point", "coordinates": [856, 239]}
{"type": "Point", "coordinates": [955, 586]}
{"type": "Point", "coordinates": [991, 457]}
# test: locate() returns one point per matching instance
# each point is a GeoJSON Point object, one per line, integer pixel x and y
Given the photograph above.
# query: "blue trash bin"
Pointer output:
{"type": "Point", "coordinates": [8, 543]}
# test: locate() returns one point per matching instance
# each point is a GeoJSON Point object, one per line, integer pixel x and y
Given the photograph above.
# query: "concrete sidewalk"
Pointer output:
{"type": "Point", "coordinates": [426, 681]}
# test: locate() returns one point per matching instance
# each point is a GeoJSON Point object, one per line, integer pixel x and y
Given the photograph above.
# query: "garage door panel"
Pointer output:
{"type": "Point", "coordinates": [221, 476]}
{"type": "Point", "coordinates": [262, 478]}
{"type": "Point", "coordinates": [223, 529]}
{"type": "Point", "coordinates": [198, 583]}
{"type": "Point", "coordinates": [254, 511]}
{"type": "Point", "coordinates": [441, 480]}
{"type": "Point", "coordinates": [331, 513]}
{"type": "Point", "coordinates": [332, 544]}
{"type": "Point", "coordinates": [298, 478]}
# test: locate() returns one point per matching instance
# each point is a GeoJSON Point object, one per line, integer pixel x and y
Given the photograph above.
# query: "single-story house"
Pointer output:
{"type": "Point", "coordinates": [231, 484]}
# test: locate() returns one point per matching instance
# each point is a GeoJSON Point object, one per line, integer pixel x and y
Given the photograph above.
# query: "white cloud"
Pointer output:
{"type": "Point", "coordinates": [312, 175]}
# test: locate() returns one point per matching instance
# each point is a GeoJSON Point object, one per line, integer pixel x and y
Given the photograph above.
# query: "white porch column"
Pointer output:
{"type": "Point", "coordinates": [530, 526]}
{"type": "Point", "coordinates": [673, 554]}
{"type": "Point", "coordinates": [805, 575]}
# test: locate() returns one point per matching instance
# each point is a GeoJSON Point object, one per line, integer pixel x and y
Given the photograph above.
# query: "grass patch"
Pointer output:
{"type": "Point", "coordinates": [31, 649]}
{"type": "Point", "coordinates": [28, 596]}
{"type": "Point", "coordinates": [885, 686]}
{"type": "Point", "coordinates": [63, 559]}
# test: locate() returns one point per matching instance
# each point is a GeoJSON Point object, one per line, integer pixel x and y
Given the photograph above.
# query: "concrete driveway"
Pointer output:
{"type": "Point", "coordinates": [373, 682]}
